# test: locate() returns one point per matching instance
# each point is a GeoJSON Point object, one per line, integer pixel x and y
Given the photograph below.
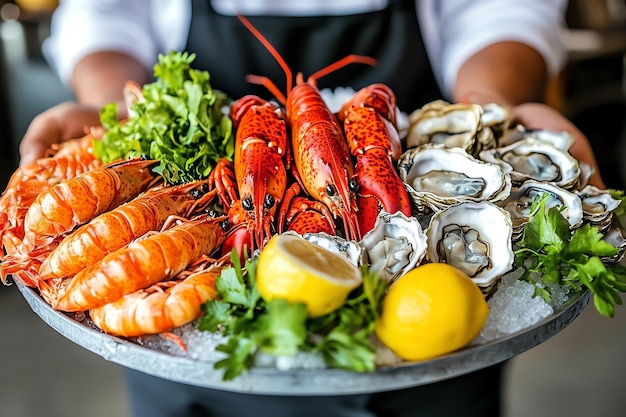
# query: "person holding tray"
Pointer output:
{"type": "Point", "coordinates": [477, 51]}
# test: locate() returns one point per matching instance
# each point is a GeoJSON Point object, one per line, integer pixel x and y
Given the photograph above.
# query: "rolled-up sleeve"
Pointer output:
{"type": "Point", "coordinates": [460, 28]}
{"type": "Point", "coordinates": [80, 27]}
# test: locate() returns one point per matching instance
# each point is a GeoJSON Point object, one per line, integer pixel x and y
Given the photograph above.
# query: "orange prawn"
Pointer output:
{"type": "Point", "coordinates": [78, 200]}
{"type": "Point", "coordinates": [116, 228]}
{"type": "Point", "coordinates": [144, 262]}
{"type": "Point", "coordinates": [161, 307]}
{"type": "Point", "coordinates": [63, 161]}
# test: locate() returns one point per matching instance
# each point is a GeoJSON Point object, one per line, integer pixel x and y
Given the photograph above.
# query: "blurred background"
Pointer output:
{"type": "Point", "coordinates": [578, 372]}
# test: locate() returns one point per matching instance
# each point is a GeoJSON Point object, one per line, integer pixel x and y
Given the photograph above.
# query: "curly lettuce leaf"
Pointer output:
{"type": "Point", "coordinates": [179, 121]}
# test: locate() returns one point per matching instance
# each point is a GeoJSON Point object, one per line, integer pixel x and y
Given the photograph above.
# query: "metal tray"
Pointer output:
{"type": "Point", "coordinates": [272, 381]}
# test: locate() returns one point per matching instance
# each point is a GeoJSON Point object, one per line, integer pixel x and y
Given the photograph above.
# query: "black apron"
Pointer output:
{"type": "Point", "coordinates": [226, 49]}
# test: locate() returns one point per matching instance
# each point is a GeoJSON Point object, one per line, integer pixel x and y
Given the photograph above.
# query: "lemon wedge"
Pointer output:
{"type": "Point", "coordinates": [294, 269]}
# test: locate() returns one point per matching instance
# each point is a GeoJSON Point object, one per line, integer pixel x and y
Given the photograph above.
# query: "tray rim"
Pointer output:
{"type": "Point", "coordinates": [272, 381]}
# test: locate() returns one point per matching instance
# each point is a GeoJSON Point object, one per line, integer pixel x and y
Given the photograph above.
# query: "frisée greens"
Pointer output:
{"type": "Point", "coordinates": [179, 121]}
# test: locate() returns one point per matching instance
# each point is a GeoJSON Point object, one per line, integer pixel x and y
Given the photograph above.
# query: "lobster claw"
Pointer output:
{"type": "Point", "coordinates": [369, 126]}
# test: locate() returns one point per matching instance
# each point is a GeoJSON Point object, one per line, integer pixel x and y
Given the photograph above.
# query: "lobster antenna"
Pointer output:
{"type": "Point", "coordinates": [350, 59]}
{"type": "Point", "coordinates": [270, 49]}
{"type": "Point", "coordinates": [267, 83]}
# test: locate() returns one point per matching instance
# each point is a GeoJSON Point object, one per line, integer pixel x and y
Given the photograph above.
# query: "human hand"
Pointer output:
{"type": "Point", "coordinates": [59, 123]}
{"type": "Point", "coordinates": [542, 116]}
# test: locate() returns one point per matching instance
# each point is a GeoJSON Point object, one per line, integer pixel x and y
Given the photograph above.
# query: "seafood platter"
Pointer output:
{"type": "Point", "coordinates": [121, 253]}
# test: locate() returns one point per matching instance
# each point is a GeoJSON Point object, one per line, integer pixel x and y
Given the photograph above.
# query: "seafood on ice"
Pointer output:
{"type": "Point", "coordinates": [141, 257]}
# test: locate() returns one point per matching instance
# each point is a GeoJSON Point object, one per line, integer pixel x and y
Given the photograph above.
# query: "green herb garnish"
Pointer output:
{"type": "Point", "coordinates": [620, 211]}
{"type": "Point", "coordinates": [179, 122]}
{"type": "Point", "coordinates": [551, 253]}
{"type": "Point", "coordinates": [281, 328]}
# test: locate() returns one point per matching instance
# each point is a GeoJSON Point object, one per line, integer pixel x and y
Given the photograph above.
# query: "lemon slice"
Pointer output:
{"type": "Point", "coordinates": [292, 268]}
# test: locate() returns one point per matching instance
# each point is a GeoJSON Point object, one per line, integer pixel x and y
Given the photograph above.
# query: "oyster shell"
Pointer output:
{"type": "Point", "coordinates": [521, 198]}
{"type": "Point", "coordinates": [468, 126]}
{"type": "Point", "coordinates": [452, 125]}
{"type": "Point", "coordinates": [497, 119]}
{"type": "Point", "coordinates": [395, 245]}
{"type": "Point", "coordinates": [437, 177]}
{"type": "Point", "coordinates": [598, 206]}
{"type": "Point", "coordinates": [475, 238]}
{"type": "Point", "coordinates": [350, 249]}
{"type": "Point", "coordinates": [615, 236]}
{"type": "Point", "coordinates": [560, 139]}
{"type": "Point", "coordinates": [535, 160]}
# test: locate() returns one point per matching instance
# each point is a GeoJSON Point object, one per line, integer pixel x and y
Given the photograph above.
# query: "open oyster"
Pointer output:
{"type": "Point", "coordinates": [452, 125]}
{"type": "Point", "coordinates": [615, 236]}
{"type": "Point", "coordinates": [532, 159]}
{"type": "Point", "coordinates": [350, 249]}
{"type": "Point", "coordinates": [521, 198]}
{"type": "Point", "coordinates": [395, 245]}
{"type": "Point", "coordinates": [437, 177]}
{"type": "Point", "coordinates": [560, 139]}
{"type": "Point", "coordinates": [468, 126]}
{"type": "Point", "coordinates": [496, 118]}
{"type": "Point", "coordinates": [475, 238]}
{"type": "Point", "coordinates": [598, 206]}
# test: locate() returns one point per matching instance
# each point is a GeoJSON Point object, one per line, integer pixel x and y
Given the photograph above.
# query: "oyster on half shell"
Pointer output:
{"type": "Point", "coordinates": [464, 125]}
{"type": "Point", "coordinates": [598, 206]}
{"type": "Point", "coordinates": [560, 139]}
{"type": "Point", "coordinates": [452, 125]}
{"type": "Point", "coordinates": [475, 238]}
{"type": "Point", "coordinates": [348, 248]}
{"type": "Point", "coordinates": [437, 177]}
{"type": "Point", "coordinates": [532, 159]}
{"type": "Point", "coordinates": [395, 245]}
{"type": "Point", "coordinates": [521, 198]}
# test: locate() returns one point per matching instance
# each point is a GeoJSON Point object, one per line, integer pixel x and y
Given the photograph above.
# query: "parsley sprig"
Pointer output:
{"type": "Point", "coordinates": [551, 253]}
{"type": "Point", "coordinates": [179, 122]}
{"type": "Point", "coordinates": [280, 328]}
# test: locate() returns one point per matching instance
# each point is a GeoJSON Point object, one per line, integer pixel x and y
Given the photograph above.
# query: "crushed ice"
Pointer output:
{"type": "Point", "coordinates": [513, 308]}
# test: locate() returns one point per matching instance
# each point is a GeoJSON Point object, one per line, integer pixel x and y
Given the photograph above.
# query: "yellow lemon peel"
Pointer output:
{"type": "Point", "coordinates": [296, 270]}
{"type": "Point", "coordinates": [432, 310]}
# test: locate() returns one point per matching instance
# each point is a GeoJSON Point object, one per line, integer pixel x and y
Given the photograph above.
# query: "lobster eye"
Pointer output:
{"type": "Point", "coordinates": [269, 201]}
{"type": "Point", "coordinates": [353, 185]}
{"type": "Point", "coordinates": [246, 203]}
{"type": "Point", "coordinates": [225, 225]}
{"type": "Point", "coordinates": [196, 193]}
{"type": "Point", "coordinates": [330, 190]}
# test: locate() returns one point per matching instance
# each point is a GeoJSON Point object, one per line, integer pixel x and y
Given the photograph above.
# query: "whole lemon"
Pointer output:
{"type": "Point", "coordinates": [294, 269]}
{"type": "Point", "coordinates": [432, 310]}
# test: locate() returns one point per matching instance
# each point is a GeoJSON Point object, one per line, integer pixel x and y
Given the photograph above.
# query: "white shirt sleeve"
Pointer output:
{"type": "Point", "coordinates": [454, 30]}
{"type": "Point", "coordinates": [139, 28]}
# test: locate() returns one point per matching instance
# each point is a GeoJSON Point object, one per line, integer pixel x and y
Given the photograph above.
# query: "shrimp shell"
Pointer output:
{"type": "Point", "coordinates": [144, 262]}
{"type": "Point", "coordinates": [67, 160]}
{"type": "Point", "coordinates": [116, 228]}
{"type": "Point", "coordinates": [78, 200]}
{"type": "Point", "coordinates": [159, 308]}
{"type": "Point", "coordinates": [64, 161]}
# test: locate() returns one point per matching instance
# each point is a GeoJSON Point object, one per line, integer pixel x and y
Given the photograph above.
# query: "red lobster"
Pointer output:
{"type": "Point", "coordinates": [322, 158]}
{"type": "Point", "coordinates": [370, 127]}
{"type": "Point", "coordinates": [259, 172]}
